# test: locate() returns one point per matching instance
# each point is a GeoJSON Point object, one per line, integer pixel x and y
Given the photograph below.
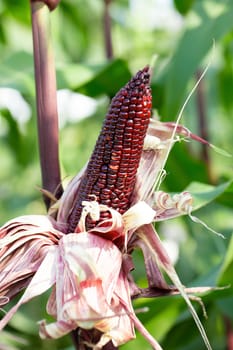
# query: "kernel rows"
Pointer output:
{"type": "Point", "coordinates": [111, 172]}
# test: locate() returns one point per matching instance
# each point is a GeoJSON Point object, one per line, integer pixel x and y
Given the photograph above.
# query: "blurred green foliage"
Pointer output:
{"type": "Point", "coordinates": [182, 50]}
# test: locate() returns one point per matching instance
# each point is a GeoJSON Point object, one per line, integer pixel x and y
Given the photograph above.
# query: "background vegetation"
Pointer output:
{"type": "Point", "coordinates": [181, 34]}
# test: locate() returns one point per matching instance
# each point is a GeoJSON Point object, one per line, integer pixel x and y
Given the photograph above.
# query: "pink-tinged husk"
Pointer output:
{"type": "Point", "coordinates": [42, 280]}
{"type": "Point", "coordinates": [24, 243]}
{"type": "Point", "coordinates": [167, 206]}
{"type": "Point", "coordinates": [88, 282]}
{"type": "Point", "coordinates": [91, 286]}
{"type": "Point", "coordinates": [158, 143]}
{"type": "Point", "coordinates": [124, 295]}
{"type": "Point", "coordinates": [86, 270]}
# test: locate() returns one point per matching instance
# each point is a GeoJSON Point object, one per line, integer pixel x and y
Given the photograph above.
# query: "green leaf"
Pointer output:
{"type": "Point", "coordinates": [225, 74]}
{"type": "Point", "coordinates": [177, 341]}
{"type": "Point", "coordinates": [204, 194]}
{"type": "Point", "coordinates": [16, 72]}
{"type": "Point", "coordinates": [95, 81]}
{"type": "Point", "coordinates": [167, 310]}
{"type": "Point", "coordinates": [183, 6]}
{"type": "Point", "coordinates": [182, 168]}
{"type": "Point", "coordinates": [71, 76]}
{"type": "Point", "coordinates": [19, 142]}
{"type": "Point", "coordinates": [226, 198]}
{"type": "Point", "coordinates": [225, 275]}
{"type": "Point", "coordinates": [209, 21]}
{"type": "Point", "coordinates": [226, 306]}
{"type": "Point", "coordinates": [18, 10]}
{"type": "Point", "coordinates": [161, 316]}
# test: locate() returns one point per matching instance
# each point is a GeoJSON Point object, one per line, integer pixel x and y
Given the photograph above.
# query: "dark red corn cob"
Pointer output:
{"type": "Point", "coordinates": [111, 172]}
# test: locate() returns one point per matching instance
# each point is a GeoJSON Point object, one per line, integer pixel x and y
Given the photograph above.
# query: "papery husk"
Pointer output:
{"type": "Point", "coordinates": [24, 242]}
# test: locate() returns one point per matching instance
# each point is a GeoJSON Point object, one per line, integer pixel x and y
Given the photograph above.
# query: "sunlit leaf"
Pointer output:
{"type": "Point", "coordinates": [97, 80]}
{"type": "Point", "coordinates": [204, 193]}
{"type": "Point", "coordinates": [16, 71]}
{"type": "Point", "coordinates": [18, 10]}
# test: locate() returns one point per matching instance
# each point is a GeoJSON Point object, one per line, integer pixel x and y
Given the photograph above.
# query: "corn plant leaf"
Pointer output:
{"type": "Point", "coordinates": [185, 167]}
{"type": "Point", "coordinates": [16, 140]}
{"type": "Point", "coordinates": [225, 76]}
{"type": "Point", "coordinates": [183, 6]}
{"type": "Point", "coordinates": [226, 306]}
{"type": "Point", "coordinates": [95, 80]}
{"type": "Point", "coordinates": [16, 72]}
{"type": "Point", "coordinates": [168, 312]}
{"type": "Point", "coordinates": [207, 21]}
{"type": "Point", "coordinates": [177, 341]}
{"type": "Point", "coordinates": [226, 198]}
{"type": "Point", "coordinates": [204, 193]}
{"type": "Point", "coordinates": [225, 274]}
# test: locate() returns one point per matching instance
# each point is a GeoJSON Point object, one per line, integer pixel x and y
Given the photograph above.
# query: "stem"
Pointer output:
{"type": "Point", "coordinates": [46, 100]}
{"type": "Point", "coordinates": [203, 125]}
{"type": "Point", "coordinates": [107, 30]}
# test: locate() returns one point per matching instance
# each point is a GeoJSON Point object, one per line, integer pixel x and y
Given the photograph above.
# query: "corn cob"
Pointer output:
{"type": "Point", "coordinates": [111, 172]}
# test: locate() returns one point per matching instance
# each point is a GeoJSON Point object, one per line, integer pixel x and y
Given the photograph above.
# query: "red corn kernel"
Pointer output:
{"type": "Point", "coordinates": [111, 172]}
